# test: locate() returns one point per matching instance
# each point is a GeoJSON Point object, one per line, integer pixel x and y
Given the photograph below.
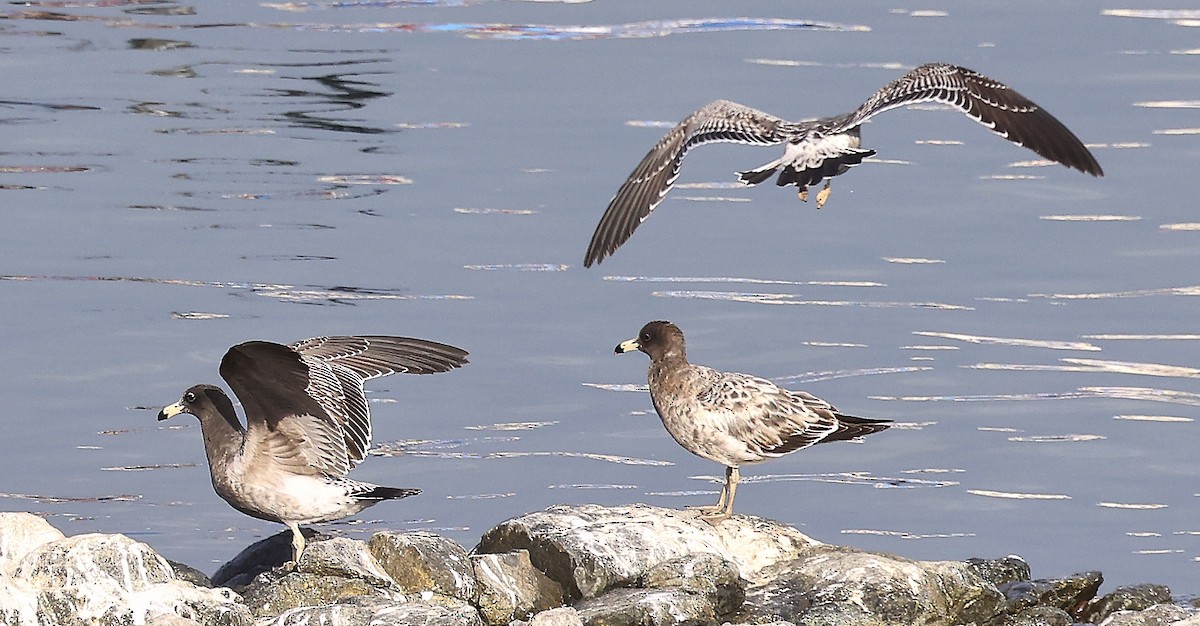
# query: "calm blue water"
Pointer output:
{"type": "Point", "coordinates": [179, 178]}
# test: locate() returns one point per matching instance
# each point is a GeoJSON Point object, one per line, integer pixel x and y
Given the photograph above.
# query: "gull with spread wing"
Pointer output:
{"type": "Point", "coordinates": [817, 150]}
{"type": "Point", "coordinates": [307, 424]}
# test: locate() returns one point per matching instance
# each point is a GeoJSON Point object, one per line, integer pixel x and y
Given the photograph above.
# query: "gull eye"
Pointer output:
{"type": "Point", "coordinates": [645, 336]}
{"type": "Point", "coordinates": [189, 397]}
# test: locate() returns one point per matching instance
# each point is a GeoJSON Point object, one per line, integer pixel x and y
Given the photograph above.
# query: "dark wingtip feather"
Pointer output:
{"type": "Point", "coordinates": [388, 493]}
{"type": "Point", "coordinates": [851, 427]}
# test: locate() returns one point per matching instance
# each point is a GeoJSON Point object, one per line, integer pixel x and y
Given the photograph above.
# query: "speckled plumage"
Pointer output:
{"type": "Point", "coordinates": [732, 418]}
{"type": "Point", "coordinates": [820, 149]}
{"type": "Point", "coordinates": [307, 424]}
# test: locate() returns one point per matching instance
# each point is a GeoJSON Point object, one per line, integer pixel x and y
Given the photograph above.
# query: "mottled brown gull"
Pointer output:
{"type": "Point", "coordinates": [731, 418]}
{"type": "Point", "coordinates": [817, 150]}
{"type": "Point", "coordinates": [307, 424]}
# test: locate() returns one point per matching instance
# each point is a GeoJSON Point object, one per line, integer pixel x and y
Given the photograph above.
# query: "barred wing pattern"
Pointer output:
{"type": "Point", "coordinates": [339, 366]}
{"type": "Point", "coordinates": [993, 104]}
{"type": "Point", "coordinates": [720, 121]}
{"type": "Point", "coordinates": [305, 403]}
{"type": "Point", "coordinates": [768, 419]}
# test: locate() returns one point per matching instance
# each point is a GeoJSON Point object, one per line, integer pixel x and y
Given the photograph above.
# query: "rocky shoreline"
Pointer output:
{"type": "Point", "coordinates": [567, 565]}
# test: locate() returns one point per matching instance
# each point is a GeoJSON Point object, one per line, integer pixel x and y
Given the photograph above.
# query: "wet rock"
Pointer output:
{"type": "Point", "coordinates": [112, 579]}
{"type": "Point", "coordinates": [1070, 594]}
{"type": "Point", "coordinates": [187, 573]}
{"type": "Point", "coordinates": [1130, 598]}
{"type": "Point", "coordinates": [375, 612]}
{"type": "Point", "coordinates": [1157, 615]}
{"type": "Point", "coordinates": [20, 534]}
{"type": "Point", "coordinates": [1040, 616]}
{"type": "Point", "coordinates": [1009, 569]}
{"type": "Point", "coordinates": [706, 574]}
{"type": "Point", "coordinates": [329, 572]}
{"type": "Point", "coordinates": [261, 556]}
{"type": "Point", "coordinates": [590, 548]}
{"type": "Point", "coordinates": [648, 607]}
{"type": "Point", "coordinates": [845, 586]}
{"type": "Point", "coordinates": [511, 588]}
{"type": "Point", "coordinates": [421, 561]}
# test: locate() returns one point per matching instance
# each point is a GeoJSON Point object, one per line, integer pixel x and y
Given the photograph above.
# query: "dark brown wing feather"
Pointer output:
{"type": "Point", "coordinates": [990, 102]}
{"type": "Point", "coordinates": [645, 188]}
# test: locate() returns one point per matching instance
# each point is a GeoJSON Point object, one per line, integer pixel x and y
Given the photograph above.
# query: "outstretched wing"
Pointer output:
{"type": "Point", "coordinates": [338, 366]}
{"type": "Point", "coordinates": [306, 403]}
{"type": "Point", "coordinates": [293, 427]}
{"type": "Point", "coordinates": [989, 102]}
{"type": "Point", "coordinates": [720, 121]}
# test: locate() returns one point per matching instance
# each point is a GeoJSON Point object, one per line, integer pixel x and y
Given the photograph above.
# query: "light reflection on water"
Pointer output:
{"type": "Point", "coordinates": [434, 169]}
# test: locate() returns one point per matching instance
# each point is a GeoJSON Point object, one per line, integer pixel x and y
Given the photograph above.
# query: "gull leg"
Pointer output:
{"type": "Point", "coordinates": [823, 194]}
{"type": "Point", "coordinates": [726, 505]}
{"type": "Point", "coordinates": [297, 542]}
{"type": "Point", "coordinates": [709, 509]}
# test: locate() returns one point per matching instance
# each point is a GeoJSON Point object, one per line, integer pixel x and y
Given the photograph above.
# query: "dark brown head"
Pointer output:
{"type": "Point", "coordinates": [659, 339]}
{"type": "Point", "coordinates": [201, 401]}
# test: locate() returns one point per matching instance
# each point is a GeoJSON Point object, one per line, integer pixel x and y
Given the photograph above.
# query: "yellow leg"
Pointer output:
{"type": "Point", "coordinates": [823, 194]}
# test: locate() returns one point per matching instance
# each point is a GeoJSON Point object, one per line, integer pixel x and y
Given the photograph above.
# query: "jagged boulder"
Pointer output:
{"type": "Point", "coordinates": [589, 549]}
{"type": "Point", "coordinates": [511, 588]}
{"type": "Point", "coordinates": [112, 579]}
{"type": "Point", "coordinates": [422, 561]}
{"type": "Point", "coordinates": [20, 534]}
{"type": "Point", "coordinates": [838, 585]}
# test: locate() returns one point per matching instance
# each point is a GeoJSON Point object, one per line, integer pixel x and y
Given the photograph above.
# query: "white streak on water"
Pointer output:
{"type": "Point", "coordinates": [1013, 495]}
{"type": "Point", "coordinates": [1007, 341]}
{"type": "Point", "coordinates": [1153, 418]}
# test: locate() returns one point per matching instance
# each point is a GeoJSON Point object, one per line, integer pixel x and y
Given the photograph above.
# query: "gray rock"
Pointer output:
{"type": "Point", "coordinates": [261, 556]}
{"type": "Point", "coordinates": [190, 574]}
{"type": "Point", "coordinates": [1070, 594]}
{"type": "Point", "coordinates": [112, 579]}
{"type": "Point", "coordinates": [706, 574]}
{"type": "Point", "coordinates": [171, 620]}
{"type": "Point", "coordinates": [18, 602]}
{"type": "Point", "coordinates": [376, 612]}
{"type": "Point", "coordinates": [1129, 598]}
{"type": "Point", "coordinates": [1009, 569]}
{"type": "Point", "coordinates": [648, 607]}
{"type": "Point", "coordinates": [838, 585]}
{"type": "Point", "coordinates": [1157, 615]}
{"type": "Point", "coordinates": [511, 588]}
{"type": "Point", "coordinates": [590, 548]}
{"type": "Point", "coordinates": [562, 616]}
{"type": "Point", "coordinates": [1193, 620]}
{"type": "Point", "coordinates": [330, 571]}
{"type": "Point", "coordinates": [344, 558]}
{"type": "Point", "coordinates": [421, 561]}
{"type": "Point", "coordinates": [20, 534]}
{"type": "Point", "coordinates": [1040, 616]}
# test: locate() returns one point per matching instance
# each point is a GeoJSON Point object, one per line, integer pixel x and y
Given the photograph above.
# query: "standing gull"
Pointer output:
{"type": "Point", "coordinates": [733, 418]}
{"type": "Point", "coordinates": [307, 424]}
{"type": "Point", "coordinates": [817, 150]}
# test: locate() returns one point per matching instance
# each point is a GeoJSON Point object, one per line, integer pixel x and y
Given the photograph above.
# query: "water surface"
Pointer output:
{"type": "Point", "coordinates": [177, 178]}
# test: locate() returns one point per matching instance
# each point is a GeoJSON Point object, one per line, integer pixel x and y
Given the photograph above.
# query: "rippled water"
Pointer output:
{"type": "Point", "coordinates": [177, 178]}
